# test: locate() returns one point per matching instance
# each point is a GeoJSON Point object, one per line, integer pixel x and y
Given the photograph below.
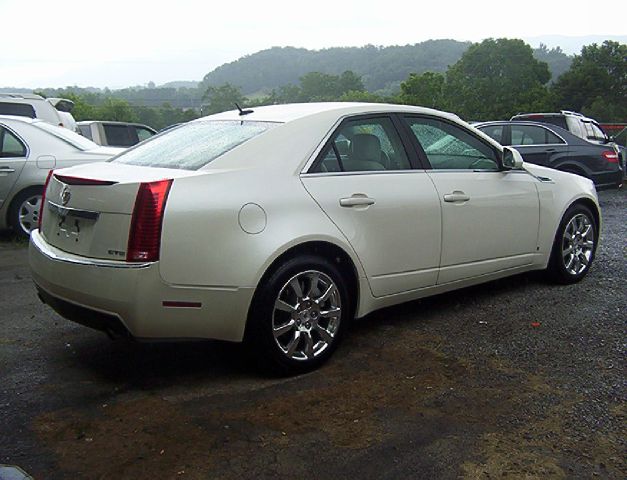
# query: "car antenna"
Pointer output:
{"type": "Point", "coordinates": [242, 112]}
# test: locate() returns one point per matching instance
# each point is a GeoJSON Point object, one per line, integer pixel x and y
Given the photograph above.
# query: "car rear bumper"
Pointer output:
{"type": "Point", "coordinates": [119, 297]}
{"type": "Point", "coordinates": [607, 179]}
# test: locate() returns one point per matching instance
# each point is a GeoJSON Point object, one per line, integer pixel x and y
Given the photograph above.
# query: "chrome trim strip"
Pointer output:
{"type": "Point", "coordinates": [75, 212]}
{"type": "Point", "coordinates": [40, 244]}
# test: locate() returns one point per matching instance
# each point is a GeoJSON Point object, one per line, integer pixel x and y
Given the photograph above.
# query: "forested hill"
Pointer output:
{"type": "Point", "coordinates": [381, 68]}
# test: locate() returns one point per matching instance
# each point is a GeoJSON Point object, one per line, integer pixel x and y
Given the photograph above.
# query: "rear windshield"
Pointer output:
{"type": "Point", "coordinates": [558, 121]}
{"type": "Point", "coordinates": [67, 136]}
{"type": "Point", "coordinates": [194, 145]}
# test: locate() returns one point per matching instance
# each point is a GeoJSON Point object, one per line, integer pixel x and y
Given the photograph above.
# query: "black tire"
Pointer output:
{"type": "Point", "coordinates": [570, 267]}
{"type": "Point", "coordinates": [303, 323]}
{"type": "Point", "coordinates": [19, 206]}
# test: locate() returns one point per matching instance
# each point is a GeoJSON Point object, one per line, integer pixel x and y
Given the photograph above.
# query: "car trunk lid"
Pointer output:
{"type": "Point", "coordinates": [88, 209]}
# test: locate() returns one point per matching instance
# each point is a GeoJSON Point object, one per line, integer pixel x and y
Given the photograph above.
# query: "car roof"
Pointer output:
{"type": "Point", "coordinates": [21, 96]}
{"type": "Point", "coordinates": [562, 132]}
{"type": "Point", "coordinates": [17, 118]}
{"type": "Point", "coordinates": [89, 122]}
{"type": "Point", "coordinates": [294, 111]}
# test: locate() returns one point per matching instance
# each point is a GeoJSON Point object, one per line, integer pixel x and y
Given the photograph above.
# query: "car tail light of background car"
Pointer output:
{"type": "Point", "coordinates": [144, 239]}
{"type": "Point", "coordinates": [610, 155]}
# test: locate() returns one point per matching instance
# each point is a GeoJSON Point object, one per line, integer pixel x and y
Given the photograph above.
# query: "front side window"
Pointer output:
{"type": "Point", "coordinates": [449, 147]}
{"type": "Point", "coordinates": [10, 145]}
{"type": "Point", "coordinates": [494, 131]}
{"type": "Point", "coordinates": [193, 145]}
{"type": "Point", "coordinates": [362, 145]}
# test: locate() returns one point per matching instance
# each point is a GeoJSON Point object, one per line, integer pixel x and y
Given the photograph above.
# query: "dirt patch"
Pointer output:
{"type": "Point", "coordinates": [345, 410]}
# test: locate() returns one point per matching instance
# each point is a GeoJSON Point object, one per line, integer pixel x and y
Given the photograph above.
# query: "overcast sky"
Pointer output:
{"type": "Point", "coordinates": [117, 43]}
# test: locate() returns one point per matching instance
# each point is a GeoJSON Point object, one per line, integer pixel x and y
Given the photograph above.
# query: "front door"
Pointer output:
{"type": "Point", "coordinates": [489, 216]}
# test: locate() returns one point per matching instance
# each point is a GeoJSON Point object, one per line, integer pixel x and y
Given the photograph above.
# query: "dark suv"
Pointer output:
{"type": "Point", "coordinates": [554, 147]}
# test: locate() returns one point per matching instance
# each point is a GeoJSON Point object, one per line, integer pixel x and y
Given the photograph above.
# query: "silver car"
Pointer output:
{"type": "Point", "coordinates": [29, 149]}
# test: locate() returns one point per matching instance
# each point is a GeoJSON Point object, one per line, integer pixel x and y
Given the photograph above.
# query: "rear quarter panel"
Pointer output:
{"type": "Point", "coordinates": [203, 243]}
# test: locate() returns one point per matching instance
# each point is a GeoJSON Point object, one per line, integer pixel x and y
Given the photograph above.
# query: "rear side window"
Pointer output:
{"type": "Point", "coordinates": [143, 133]}
{"type": "Point", "coordinates": [364, 145]}
{"type": "Point", "coordinates": [119, 135]}
{"type": "Point", "coordinates": [533, 135]}
{"type": "Point", "coordinates": [19, 109]}
{"type": "Point", "coordinates": [194, 145]}
{"type": "Point", "coordinates": [85, 131]}
{"type": "Point", "coordinates": [10, 145]}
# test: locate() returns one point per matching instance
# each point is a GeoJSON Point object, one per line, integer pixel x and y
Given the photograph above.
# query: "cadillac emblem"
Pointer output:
{"type": "Point", "coordinates": [65, 195]}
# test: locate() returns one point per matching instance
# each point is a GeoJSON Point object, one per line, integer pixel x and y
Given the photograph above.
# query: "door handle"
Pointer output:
{"type": "Point", "coordinates": [456, 196]}
{"type": "Point", "coordinates": [356, 200]}
{"type": "Point", "coordinates": [4, 171]}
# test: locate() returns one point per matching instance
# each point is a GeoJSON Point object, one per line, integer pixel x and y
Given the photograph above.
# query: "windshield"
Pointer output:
{"type": "Point", "coordinates": [67, 136]}
{"type": "Point", "coordinates": [193, 145]}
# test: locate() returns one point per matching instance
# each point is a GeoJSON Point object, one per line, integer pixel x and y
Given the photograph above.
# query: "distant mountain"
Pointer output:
{"type": "Point", "coordinates": [180, 84]}
{"type": "Point", "coordinates": [382, 68]}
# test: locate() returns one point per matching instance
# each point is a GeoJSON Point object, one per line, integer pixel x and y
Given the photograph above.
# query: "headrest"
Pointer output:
{"type": "Point", "coordinates": [366, 147]}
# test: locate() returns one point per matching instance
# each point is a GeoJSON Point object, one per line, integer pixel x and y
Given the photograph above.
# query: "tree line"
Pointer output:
{"type": "Point", "coordinates": [493, 79]}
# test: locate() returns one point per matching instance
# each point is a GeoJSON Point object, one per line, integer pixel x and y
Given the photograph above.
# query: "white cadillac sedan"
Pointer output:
{"type": "Point", "coordinates": [278, 225]}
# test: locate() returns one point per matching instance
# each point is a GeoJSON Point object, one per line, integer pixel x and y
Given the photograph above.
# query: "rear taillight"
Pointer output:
{"type": "Point", "coordinates": [43, 200]}
{"type": "Point", "coordinates": [144, 239]}
{"type": "Point", "coordinates": [611, 156]}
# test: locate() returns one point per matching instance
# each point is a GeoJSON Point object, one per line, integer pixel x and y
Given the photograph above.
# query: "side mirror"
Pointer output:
{"type": "Point", "coordinates": [511, 159]}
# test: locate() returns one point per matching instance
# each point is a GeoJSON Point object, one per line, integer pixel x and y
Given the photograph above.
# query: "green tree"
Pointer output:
{"type": "Point", "coordinates": [223, 98]}
{"type": "Point", "coordinates": [596, 83]}
{"type": "Point", "coordinates": [115, 109]}
{"type": "Point", "coordinates": [426, 90]}
{"type": "Point", "coordinates": [496, 79]}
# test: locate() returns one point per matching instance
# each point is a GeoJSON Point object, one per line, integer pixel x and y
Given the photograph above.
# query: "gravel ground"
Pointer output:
{"type": "Point", "coordinates": [462, 385]}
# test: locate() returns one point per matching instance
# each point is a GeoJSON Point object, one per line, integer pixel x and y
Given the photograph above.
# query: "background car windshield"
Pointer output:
{"type": "Point", "coordinates": [67, 136]}
{"type": "Point", "coordinates": [194, 145]}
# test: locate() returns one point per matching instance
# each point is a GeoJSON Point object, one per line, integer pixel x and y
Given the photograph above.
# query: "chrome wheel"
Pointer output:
{"type": "Point", "coordinates": [578, 244]}
{"type": "Point", "coordinates": [306, 315]}
{"type": "Point", "coordinates": [28, 214]}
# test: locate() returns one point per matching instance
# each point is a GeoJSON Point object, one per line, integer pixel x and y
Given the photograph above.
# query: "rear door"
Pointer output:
{"type": "Point", "coordinates": [489, 216]}
{"type": "Point", "coordinates": [388, 211]}
{"type": "Point", "coordinates": [13, 154]}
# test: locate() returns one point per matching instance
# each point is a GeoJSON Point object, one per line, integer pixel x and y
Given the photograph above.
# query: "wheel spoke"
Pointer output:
{"type": "Point", "coordinates": [584, 259]}
{"type": "Point", "coordinates": [283, 329]}
{"type": "Point", "coordinates": [295, 284]}
{"type": "Point", "coordinates": [291, 347]}
{"type": "Point", "coordinates": [313, 285]}
{"type": "Point", "coordinates": [308, 345]}
{"type": "Point", "coordinates": [325, 296]}
{"type": "Point", "coordinates": [569, 262]}
{"type": "Point", "coordinates": [567, 250]}
{"type": "Point", "coordinates": [332, 312]}
{"type": "Point", "coordinates": [324, 334]}
{"type": "Point", "coordinates": [284, 306]}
